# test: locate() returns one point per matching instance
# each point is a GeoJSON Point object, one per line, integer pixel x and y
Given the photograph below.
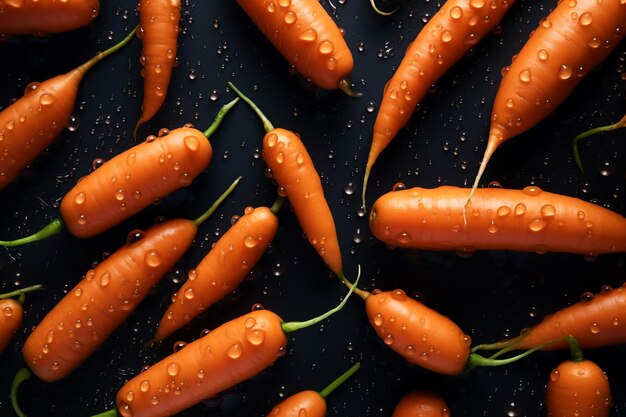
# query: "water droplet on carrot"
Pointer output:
{"type": "Point", "coordinates": [537, 225]}
{"type": "Point", "coordinates": [326, 47]}
{"type": "Point", "coordinates": [547, 210]}
{"type": "Point", "coordinates": [234, 351]}
{"type": "Point", "coordinates": [173, 368]}
{"type": "Point", "coordinates": [532, 190]}
{"type": "Point", "coordinates": [456, 13]}
{"type": "Point", "coordinates": [378, 319]}
{"type": "Point", "coordinates": [250, 241]}
{"type": "Point", "coordinates": [565, 72]}
{"type": "Point", "coordinates": [302, 412]}
{"type": "Point", "coordinates": [290, 17]}
{"type": "Point", "coordinates": [398, 295]}
{"type": "Point", "coordinates": [503, 211]}
{"type": "Point", "coordinates": [249, 323]}
{"type": "Point", "coordinates": [543, 55]}
{"type": "Point", "coordinates": [271, 7]}
{"type": "Point", "coordinates": [79, 198]}
{"type": "Point", "coordinates": [388, 339]}
{"type": "Point", "coordinates": [46, 99]}
{"type": "Point", "coordinates": [119, 195]}
{"type": "Point", "coordinates": [594, 328]}
{"type": "Point", "coordinates": [284, 3]}
{"type": "Point", "coordinates": [308, 35]}
{"type": "Point", "coordinates": [272, 140]}
{"type": "Point", "coordinates": [105, 279]}
{"type": "Point", "coordinates": [185, 179]}
{"type": "Point", "coordinates": [477, 4]}
{"type": "Point", "coordinates": [585, 19]}
{"type": "Point", "coordinates": [256, 336]}
{"type": "Point", "coordinates": [525, 76]}
{"type": "Point", "coordinates": [130, 396]}
{"type": "Point", "coordinates": [446, 36]}
{"type": "Point", "coordinates": [152, 258]}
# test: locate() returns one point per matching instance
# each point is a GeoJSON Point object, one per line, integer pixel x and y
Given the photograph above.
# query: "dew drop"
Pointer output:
{"type": "Point", "coordinates": [594, 328]}
{"type": "Point", "coordinates": [173, 368]}
{"type": "Point", "coordinates": [105, 279]}
{"type": "Point", "coordinates": [290, 17]}
{"type": "Point", "coordinates": [152, 258]}
{"type": "Point", "coordinates": [525, 76]}
{"type": "Point", "coordinates": [326, 47]}
{"type": "Point", "coordinates": [537, 225]}
{"type": "Point", "coordinates": [308, 35]}
{"type": "Point", "coordinates": [543, 55]}
{"type": "Point", "coordinates": [144, 386]}
{"type": "Point", "coordinates": [547, 210]}
{"type": "Point", "coordinates": [80, 198]}
{"type": "Point", "coordinates": [234, 351]}
{"type": "Point", "coordinates": [250, 241]}
{"type": "Point", "coordinates": [46, 99]}
{"type": "Point", "coordinates": [191, 142]}
{"type": "Point", "coordinates": [585, 19]}
{"type": "Point", "coordinates": [255, 337]}
{"type": "Point", "coordinates": [456, 13]}
{"type": "Point", "coordinates": [565, 72]}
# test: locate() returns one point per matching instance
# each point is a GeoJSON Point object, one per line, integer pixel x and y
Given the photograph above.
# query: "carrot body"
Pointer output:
{"type": "Point", "coordinates": [11, 317]}
{"type": "Point", "coordinates": [104, 298]}
{"type": "Point", "coordinates": [41, 17]}
{"type": "Point", "coordinates": [228, 355]}
{"type": "Point", "coordinates": [455, 28]}
{"type": "Point", "coordinates": [222, 269]}
{"type": "Point", "coordinates": [570, 42]}
{"type": "Point", "coordinates": [498, 219]}
{"type": "Point", "coordinates": [305, 403]}
{"type": "Point", "coordinates": [134, 179]}
{"type": "Point", "coordinates": [159, 27]}
{"type": "Point", "coordinates": [306, 36]}
{"type": "Point", "coordinates": [293, 169]}
{"type": "Point", "coordinates": [30, 124]}
{"type": "Point", "coordinates": [421, 404]}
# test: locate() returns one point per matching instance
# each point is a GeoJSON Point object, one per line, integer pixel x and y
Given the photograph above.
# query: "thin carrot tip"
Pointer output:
{"type": "Point", "coordinates": [344, 85]}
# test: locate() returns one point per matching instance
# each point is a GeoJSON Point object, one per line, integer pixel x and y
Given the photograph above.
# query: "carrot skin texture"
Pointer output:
{"type": "Point", "coordinates": [223, 268]}
{"type": "Point", "coordinates": [134, 179]}
{"type": "Point", "coordinates": [306, 36]}
{"type": "Point", "coordinates": [419, 334]}
{"type": "Point", "coordinates": [529, 220]}
{"type": "Point", "coordinates": [293, 169]}
{"type": "Point", "coordinates": [11, 317]}
{"type": "Point", "coordinates": [42, 17]}
{"type": "Point", "coordinates": [308, 401]}
{"type": "Point", "coordinates": [421, 404]}
{"type": "Point", "coordinates": [228, 355]}
{"type": "Point", "coordinates": [103, 299]}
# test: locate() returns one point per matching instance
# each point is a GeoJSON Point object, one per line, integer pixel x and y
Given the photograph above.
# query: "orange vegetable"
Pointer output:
{"type": "Point", "coordinates": [12, 314]}
{"type": "Point", "coordinates": [499, 219]}
{"type": "Point", "coordinates": [42, 17]}
{"type": "Point", "coordinates": [421, 404]}
{"type": "Point", "coordinates": [82, 320]}
{"type": "Point", "coordinates": [618, 125]}
{"type": "Point", "coordinates": [30, 124]}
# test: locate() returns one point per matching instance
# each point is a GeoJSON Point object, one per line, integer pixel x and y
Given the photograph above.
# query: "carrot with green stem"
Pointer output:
{"type": "Point", "coordinates": [310, 403]}
{"type": "Point", "coordinates": [42, 17]}
{"type": "Point", "coordinates": [30, 124]}
{"type": "Point", "coordinates": [421, 403]}
{"type": "Point", "coordinates": [223, 268]}
{"type": "Point", "coordinates": [12, 313]}
{"type": "Point", "coordinates": [83, 319]}
{"type": "Point", "coordinates": [570, 42]}
{"type": "Point", "coordinates": [618, 125]}
{"type": "Point", "coordinates": [131, 181]}
{"type": "Point", "coordinates": [293, 169]}
{"type": "Point", "coordinates": [449, 34]}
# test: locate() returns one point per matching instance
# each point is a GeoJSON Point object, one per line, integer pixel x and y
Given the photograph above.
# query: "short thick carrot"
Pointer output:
{"type": "Point", "coordinates": [30, 124]}
{"type": "Point", "coordinates": [12, 314]}
{"type": "Point", "coordinates": [42, 17]}
{"type": "Point", "coordinates": [106, 296]}
{"type": "Point", "coordinates": [421, 403]}
{"type": "Point", "coordinates": [570, 42]}
{"type": "Point", "coordinates": [307, 37]}
{"type": "Point", "coordinates": [449, 34]}
{"type": "Point", "coordinates": [496, 218]}
{"type": "Point", "coordinates": [158, 29]}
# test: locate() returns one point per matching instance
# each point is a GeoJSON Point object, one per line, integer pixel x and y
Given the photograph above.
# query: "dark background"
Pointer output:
{"type": "Point", "coordinates": [490, 294]}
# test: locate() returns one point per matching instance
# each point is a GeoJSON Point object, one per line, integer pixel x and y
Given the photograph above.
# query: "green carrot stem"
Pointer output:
{"type": "Point", "coordinates": [575, 350]}
{"type": "Point", "coordinates": [337, 382]}
{"type": "Point", "coordinates": [278, 204]}
{"type": "Point", "coordinates": [361, 293]}
{"type": "Point", "coordinates": [216, 204]}
{"type": "Point", "coordinates": [499, 345]}
{"type": "Point", "coordinates": [344, 85]}
{"type": "Point", "coordinates": [21, 376]}
{"type": "Point", "coordinates": [267, 125]}
{"type": "Point", "coordinates": [54, 227]}
{"type": "Point", "coordinates": [220, 116]}
{"type": "Point", "coordinates": [101, 55]}
{"type": "Point", "coordinates": [593, 131]}
{"type": "Point", "coordinates": [109, 413]}
{"type": "Point", "coordinates": [21, 292]}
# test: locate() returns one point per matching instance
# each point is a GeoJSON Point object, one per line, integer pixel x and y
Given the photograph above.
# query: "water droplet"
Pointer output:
{"type": "Point", "coordinates": [537, 225]}
{"type": "Point", "coordinates": [250, 241]}
{"type": "Point", "coordinates": [46, 99]}
{"type": "Point", "coordinates": [388, 339]}
{"type": "Point", "coordinates": [234, 351]}
{"type": "Point", "coordinates": [105, 279]}
{"type": "Point", "coordinates": [144, 386]}
{"type": "Point", "coordinates": [520, 209]}
{"type": "Point", "coordinates": [326, 47]}
{"type": "Point", "coordinates": [378, 319]}
{"type": "Point", "coordinates": [594, 328]}
{"type": "Point", "coordinates": [308, 35]}
{"type": "Point", "coordinates": [80, 198]}
{"type": "Point", "coordinates": [585, 19]}
{"type": "Point", "coordinates": [555, 375]}
{"type": "Point", "coordinates": [547, 210]}
{"type": "Point", "coordinates": [503, 211]}
{"type": "Point", "coordinates": [565, 72]}
{"type": "Point", "coordinates": [173, 368]}
{"type": "Point", "coordinates": [135, 236]}
{"type": "Point", "coordinates": [525, 76]}
{"type": "Point", "coordinates": [290, 17]}
{"type": "Point", "coordinates": [446, 36]}
{"type": "Point", "coordinates": [456, 12]}
{"type": "Point", "coordinates": [152, 258]}
{"type": "Point", "coordinates": [256, 336]}
{"type": "Point", "coordinates": [130, 396]}
{"type": "Point", "coordinates": [271, 7]}
{"type": "Point", "coordinates": [543, 55]}
{"type": "Point", "coordinates": [477, 4]}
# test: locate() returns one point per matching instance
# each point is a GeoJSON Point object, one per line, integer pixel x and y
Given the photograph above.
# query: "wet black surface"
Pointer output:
{"type": "Point", "coordinates": [490, 294]}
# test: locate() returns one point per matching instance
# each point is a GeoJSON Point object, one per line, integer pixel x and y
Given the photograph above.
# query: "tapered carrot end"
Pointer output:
{"type": "Point", "coordinates": [344, 85]}
{"type": "Point", "coordinates": [366, 177]}
{"type": "Point", "coordinates": [137, 126]}
{"type": "Point", "coordinates": [495, 138]}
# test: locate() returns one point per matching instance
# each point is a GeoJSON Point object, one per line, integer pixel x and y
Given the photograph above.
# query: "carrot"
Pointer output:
{"type": "Point", "coordinates": [12, 314]}
{"type": "Point", "coordinates": [228, 355]}
{"type": "Point", "coordinates": [421, 404]}
{"type": "Point", "coordinates": [310, 403]}
{"type": "Point", "coordinates": [498, 219]}
{"type": "Point", "coordinates": [293, 169]}
{"type": "Point", "coordinates": [42, 17]}
{"type": "Point", "coordinates": [578, 387]}
{"type": "Point", "coordinates": [618, 125]}
{"type": "Point", "coordinates": [30, 124]}
{"type": "Point", "coordinates": [158, 29]}
{"type": "Point", "coordinates": [131, 181]}
{"type": "Point", "coordinates": [455, 28]}
{"type": "Point", "coordinates": [307, 37]}
{"type": "Point", "coordinates": [107, 295]}
{"type": "Point", "coordinates": [571, 41]}
{"type": "Point", "coordinates": [223, 268]}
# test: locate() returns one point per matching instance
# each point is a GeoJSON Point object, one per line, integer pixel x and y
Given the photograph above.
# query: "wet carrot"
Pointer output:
{"type": "Point", "coordinates": [83, 319]}
{"type": "Point", "coordinates": [449, 34]}
{"type": "Point", "coordinates": [131, 181]}
{"type": "Point", "coordinates": [42, 17]}
{"type": "Point", "coordinates": [307, 37]}
{"type": "Point", "coordinates": [30, 124]}
{"type": "Point", "coordinates": [421, 404]}
{"type": "Point", "coordinates": [12, 314]}
{"type": "Point", "coordinates": [158, 29]}
{"type": "Point", "coordinates": [570, 42]}
{"type": "Point", "coordinates": [223, 268]}
{"type": "Point", "coordinates": [618, 125]}
{"type": "Point", "coordinates": [498, 219]}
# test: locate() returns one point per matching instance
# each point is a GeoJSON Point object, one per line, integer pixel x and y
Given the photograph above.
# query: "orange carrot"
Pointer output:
{"type": "Point", "coordinates": [455, 28]}
{"type": "Point", "coordinates": [42, 17]}
{"type": "Point", "coordinates": [12, 314]}
{"type": "Point", "coordinates": [225, 266]}
{"type": "Point", "coordinates": [29, 125]}
{"type": "Point", "coordinates": [570, 42]}
{"type": "Point", "coordinates": [618, 125]}
{"type": "Point", "coordinates": [499, 219]}
{"type": "Point", "coordinates": [307, 37]}
{"type": "Point", "coordinates": [131, 181]}
{"type": "Point", "coordinates": [158, 29]}
{"type": "Point", "coordinates": [421, 404]}
{"type": "Point", "coordinates": [293, 169]}
{"type": "Point", "coordinates": [310, 403]}
{"type": "Point", "coordinates": [107, 295]}
{"type": "Point", "coordinates": [578, 387]}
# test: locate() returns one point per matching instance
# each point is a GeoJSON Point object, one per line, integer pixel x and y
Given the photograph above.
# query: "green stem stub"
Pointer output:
{"type": "Point", "coordinates": [21, 376]}
{"type": "Point", "coordinates": [20, 293]}
{"type": "Point", "coordinates": [216, 204]}
{"type": "Point", "coordinates": [220, 116]}
{"type": "Point", "coordinates": [54, 227]}
{"type": "Point", "coordinates": [337, 382]}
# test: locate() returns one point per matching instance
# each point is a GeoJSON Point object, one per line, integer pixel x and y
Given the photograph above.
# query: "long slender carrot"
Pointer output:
{"type": "Point", "coordinates": [222, 269]}
{"type": "Point", "coordinates": [618, 125]}
{"type": "Point", "coordinates": [42, 17]}
{"type": "Point", "coordinates": [131, 181]}
{"type": "Point", "coordinates": [307, 37]}
{"type": "Point", "coordinates": [421, 403]}
{"type": "Point", "coordinates": [294, 170]}
{"type": "Point", "coordinates": [12, 313]}
{"type": "Point", "coordinates": [158, 29]}
{"type": "Point", "coordinates": [449, 34]}
{"type": "Point", "coordinates": [528, 220]}
{"type": "Point", "coordinates": [30, 124]}
{"type": "Point", "coordinates": [570, 42]}
{"type": "Point", "coordinates": [107, 295]}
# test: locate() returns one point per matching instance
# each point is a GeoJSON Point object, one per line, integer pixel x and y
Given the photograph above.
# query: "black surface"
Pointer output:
{"type": "Point", "coordinates": [490, 294]}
